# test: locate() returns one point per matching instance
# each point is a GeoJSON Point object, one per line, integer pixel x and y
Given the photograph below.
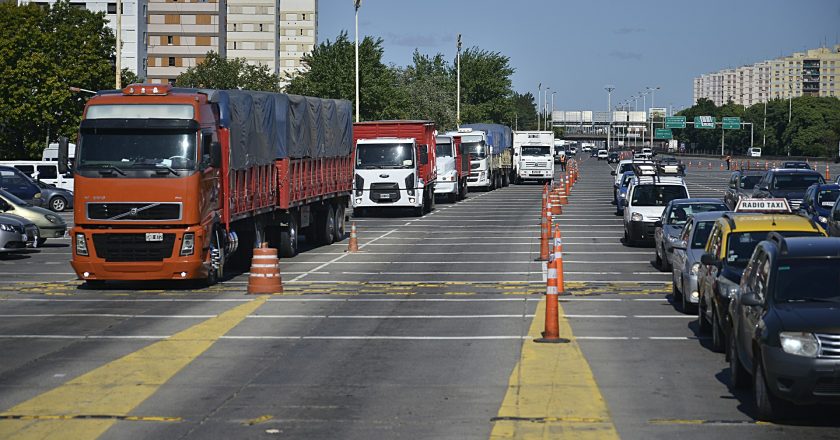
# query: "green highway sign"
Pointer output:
{"type": "Point", "coordinates": [704, 122]}
{"type": "Point", "coordinates": [663, 133]}
{"type": "Point", "coordinates": [675, 122]}
{"type": "Point", "coordinates": [731, 123]}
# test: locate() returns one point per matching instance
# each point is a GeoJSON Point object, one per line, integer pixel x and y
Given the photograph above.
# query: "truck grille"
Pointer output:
{"type": "Point", "coordinates": [829, 345]}
{"type": "Point", "coordinates": [384, 192]}
{"type": "Point", "coordinates": [474, 166]}
{"type": "Point", "coordinates": [134, 211]}
{"type": "Point", "coordinates": [535, 164]}
{"type": "Point", "coordinates": [132, 247]}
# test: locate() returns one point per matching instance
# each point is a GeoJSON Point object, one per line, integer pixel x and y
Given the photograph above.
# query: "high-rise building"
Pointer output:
{"type": "Point", "coordinates": [180, 34]}
{"type": "Point", "coordinates": [815, 72]}
{"type": "Point", "coordinates": [252, 31]}
{"type": "Point", "coordinates": [132, 25]}
{"type": "Point", "coordinates": [298, 35]}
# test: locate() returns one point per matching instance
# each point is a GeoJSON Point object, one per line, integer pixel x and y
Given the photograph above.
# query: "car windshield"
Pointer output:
{"type": "Point", "coordinates": [443, 150]}
{"type": "Point", "coordinates": [795, 181]}
{"type": "Point", "coordinates": [13, 199]}
{"type": "Point", "coordinates": [137, 149]}
{"type": "Point", "coordinates": [828, 197]}
{"type": "Point", "coordinates": [679, 213]}
{"type": "Point", "coordinates": [740, 245]}
{"type": "Point", "coordinates": [798, 279]}
{"type": "Point", "coordinates": [701, 234]}
{"type": "Point", "coordinates": [627, 179]}
{"type": "Point", "coordinates": [749, 182]}
{"type": "Point", "coordinates": [476, 149]}
{"type": "Point", "coordinates": [536, 150]}
{"type": "Point", "coordinates": [373, 156]}
{"type": "Point", "coordinates": [657, 195]}
{"type": "Point", "coordinates": [626, 167]}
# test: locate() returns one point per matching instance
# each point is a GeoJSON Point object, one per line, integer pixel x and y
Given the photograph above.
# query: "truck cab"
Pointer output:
{"type": "Point", "coordinates": [476, 145]}
{"type": "Point", "coordinates": [453, 168]}
{"type": "Point", "coordinates": [532, 156]}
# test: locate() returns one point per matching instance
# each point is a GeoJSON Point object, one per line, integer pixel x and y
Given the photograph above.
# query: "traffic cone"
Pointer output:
{"type": "Point", "coordinates": [265, 272]}
{"type": "Point", "coordinates": [561, 191]}
{"type": "Point", "coordinates": [353, 245]}
{"type": "Point", "coordinates": [553, 288]}
{"type": "Point", "coordinates": [721, 166]}
{"type": "Point", "coordinates": [544, 228]}
{"type": "Point", "coordinates": [827, 173]}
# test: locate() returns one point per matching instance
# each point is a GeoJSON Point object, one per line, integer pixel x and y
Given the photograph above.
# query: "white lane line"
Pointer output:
{"type": "Point", "coordinates": [593, 316]}
{"type": "Point", "coordinates": [445, 273]}
{"type": "Point", "coordinates": [457, 244]}
{"type": "Point", "coordinates": [342, 256]}
{"type": "Point", "coordinates": [296, 299]}
{"type": "Point", "coordinates": [106, 315]}
{"type": "Point", "coordinates": [665, 316]}
{"type": "Point", "coordinates": [387, 316]}
{"type": "Point", "coordinates": [435, 262]}
{"type": "Point", "coordinates": [384, 338]}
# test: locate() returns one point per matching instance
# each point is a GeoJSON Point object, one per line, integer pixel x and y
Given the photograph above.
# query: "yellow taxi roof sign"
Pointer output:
{"type": "Point", "coordinates": [763, 206]}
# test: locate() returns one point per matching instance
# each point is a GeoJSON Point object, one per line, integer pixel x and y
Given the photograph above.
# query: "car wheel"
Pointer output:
{"type": "Point", "coordinates": [41, 241]}
{"type": "Point", "coordinates": [659, 263]}
{"type": "Point", "coordinates": [58, 204]}
{"type": "Point", "coordinates": [686, 305]}
{"type": "Point", "coordinates": [768, 407]}
{"type": "Point", "coordinates": [702, 324]}
{"type": "Point", "coordinates": [737, 372]}
{"type": "Point", "coordinates": [717, 333]}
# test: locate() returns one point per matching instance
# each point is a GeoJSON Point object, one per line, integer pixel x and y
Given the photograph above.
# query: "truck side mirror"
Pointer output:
{"type": "Point", "coordinates": [63, 154]}
{"type": "Point", "coordinates": [657, 224]}
{"type": "Point", "coordinates": [709, 260]}
{"type": "Point", "coordinates": [215, 154]}
{"type": "Point", "coordinates": [751, 299]}
{"type": "Point", "coordinates": [423, 154]}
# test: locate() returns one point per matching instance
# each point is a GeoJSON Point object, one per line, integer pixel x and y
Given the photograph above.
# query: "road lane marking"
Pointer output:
{"type": "Point", "coordinates": [118, 387]}
{"type": "Point", "coordinates": [165, 338]}
{"type": "Point", "coordinates": [553, 383]}
{"type": "Point", "coordinates": [342, 256]}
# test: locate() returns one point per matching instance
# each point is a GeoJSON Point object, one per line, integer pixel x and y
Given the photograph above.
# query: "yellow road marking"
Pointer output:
{"type": "Point", "coordinates": [117, 387]}
{"type": "Point", "coordinates": [552, 392]}
{"type": "Point", "coordinates": [83, 416]}
{"type": "Point", "coordinates": [258, 420]}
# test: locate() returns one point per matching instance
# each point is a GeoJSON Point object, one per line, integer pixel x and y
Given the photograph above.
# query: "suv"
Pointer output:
{"type": "Point", "coordinates": [785, 324]}
{"type": "Point", "coordinates": [819, 201]}
{"type": "Point", "coordinates": [602, 154]}
{"type": "Point", "coordinates": [787, 183]}
{"type": "Point", "coordinates": [649, 193]}
{"type": "Point", "coordinates": [731, 242]}
{"type": "Point", "coordinates": [741, 185]}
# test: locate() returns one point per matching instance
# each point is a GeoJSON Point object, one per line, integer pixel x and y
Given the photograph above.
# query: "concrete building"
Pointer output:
{"type": "Point", "coordinates": [815, 72]}
{"type": "Point", "coordinates": [252, 31]}
{"type": "Point", "coordinates": [298, 35]}
{"type": "Point", "coordinates": [132, 24]}
{"type": "Point", "coordinates": [181, 33]}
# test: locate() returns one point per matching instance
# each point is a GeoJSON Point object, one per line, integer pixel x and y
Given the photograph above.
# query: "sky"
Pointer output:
{"type": "Point", "coordinates": [578, 47]}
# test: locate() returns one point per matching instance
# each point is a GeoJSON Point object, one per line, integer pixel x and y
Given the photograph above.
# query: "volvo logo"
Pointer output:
{"type": "Point", "coordinates": [133, 212]}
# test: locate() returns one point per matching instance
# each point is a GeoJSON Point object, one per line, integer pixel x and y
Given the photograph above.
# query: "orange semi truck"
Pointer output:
{"type": "Point", "coordinates": [177, 183]}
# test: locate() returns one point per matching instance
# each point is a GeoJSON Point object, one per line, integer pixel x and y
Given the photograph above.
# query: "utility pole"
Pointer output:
{"type": "Point", "coordinates": [539, 96]}
{"type": "Point", "coordinates": [764, 129]}
{"type": "Point", "coordinates": [545, 109]}
{"type": "Point", "coordinates": [609, 88]}
{"type": "Point", "coordinates": [357, 4]}
{"type": "Point", "coordinates": [118, 61]}
{"type": "Point", "coordinates": [458, 93]}
{"type": "Point", "coordinates": [552, 110]}
{"type": "Point", "coordinates": [652, 95]}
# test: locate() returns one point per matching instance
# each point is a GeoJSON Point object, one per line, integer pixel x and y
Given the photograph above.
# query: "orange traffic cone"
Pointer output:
{"type": "Point", "coordinates": [554, 287]}
{"type": "Point", "coordinates": [721, 166]}
{"type": "Point", "coordinates": [827, 173]}
{"type": "Point", "coordinates": [544, 228]}
{"type": "Point", "coordinates": [353, 245]}
{"type": "Point", "coordinates": [554, 199]}
{"type": "Point", "coordinates": [265, 271]}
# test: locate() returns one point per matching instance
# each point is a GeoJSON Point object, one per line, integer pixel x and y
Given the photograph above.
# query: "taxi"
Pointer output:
{"type": "Point", "coordinates": [731, 242]}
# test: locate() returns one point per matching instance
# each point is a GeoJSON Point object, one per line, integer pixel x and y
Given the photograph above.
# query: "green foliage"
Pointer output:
{"type": "Point", "coordinates": [216, 72]}
{"type": "Point", "coordinates": [486, 87]}
{"type": "Point", "coordinates": [44, 51]}
{"type": "Point", "coordinates": [429, 90]}
{"type": "Point", "coordinates": [524, 111]}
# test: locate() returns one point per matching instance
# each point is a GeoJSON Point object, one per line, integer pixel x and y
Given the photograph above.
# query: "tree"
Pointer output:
{"type": "Point", "coordinates": [524, 111]}
{"type": "Point", "coordinates": [486, 87]}
{"type": "Point", "coordinates": [43, 52]}
{"type": "Point", "coordinates": [429, 87]}
{"type": "Point", "coordinates": [215, 72]}
{"type": "Point", "coordinates": [331, 74]}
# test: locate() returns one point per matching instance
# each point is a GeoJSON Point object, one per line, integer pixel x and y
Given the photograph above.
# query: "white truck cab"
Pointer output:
{"type": "Point", "coordinates": [387, 171]}
{"type": "Point", "coordinates": [475, 144]}
{"type": "Point", "coordinates": [532, 155]}
{"type": "Point", "coordinates": [647, 196]}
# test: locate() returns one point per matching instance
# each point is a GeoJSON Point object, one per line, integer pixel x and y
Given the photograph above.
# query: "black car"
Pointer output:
{"type": "Point", "coordinates": [797, 165]}
{"type": "Point", "coordinates": [613, 157]}
{"type": "Point", "coordinates": [786, 324]}
{"type": "Point", "coordinates": [741, 185]}
{"type": "Point", "coordinates": [19, 184]}
{"type": "Point", "coordinates": [787, 184]}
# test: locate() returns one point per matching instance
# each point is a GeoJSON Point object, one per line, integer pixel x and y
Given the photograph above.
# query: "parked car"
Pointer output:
{"type": "Point", "coordinates": [621, 191]}
{"type": "Point", "coordinates": [789, 184]}
{"type": "Point", "coordinates": [668, 229]}
{"type": "Point", "coordinates": [796, 164]}
{"type": "Point", "coordinates": [49, 224]}
{"type": "Point", "coordinates": [54, 198]}
{"type": "Point", "coordinates": [741, 185]}
{"type": "Point", "coordinates": [754, 152]}
{"type": "Point", "coordinates": [16, 234]}
{"type": "Point", "coordinates": [647, 197]}
{"type": "Point", "coordinates": [685, 258]}
{"type": "Point", "coordinates": [819, 201]}
{"type": "Point", "coordinates": [602, 154]}
{"type": "Point", "coordinates": [613, 157]}
{"type": "Point", "coordinates": [19, 184]}
{"type": "Point", "coordinates": [784, 324]}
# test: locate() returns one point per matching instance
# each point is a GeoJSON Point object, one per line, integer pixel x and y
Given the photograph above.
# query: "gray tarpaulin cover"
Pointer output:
{"type": "Point", "coordinates": [265, 126]}
{"type": "Point", "coordinates": [500, 137]}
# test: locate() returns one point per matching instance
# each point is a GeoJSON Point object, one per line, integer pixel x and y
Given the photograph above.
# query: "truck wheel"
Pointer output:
{"type": "Point", "coordinates": [339, 223]}
{"type": "Point", "coordinates": [431, 199]}
{"type": "Point", "coordinates": [505, 179]}
{"type": "Point", "coordinates": [492, 181]}
{"type": "Point", "coordinates": [464, 190]}
{"type": "Point", "coordinates": [289, 239]}
{"type": "Point", "coordinates": [217, 260]}
{"type": "Point", "coordinates": [325, 227]}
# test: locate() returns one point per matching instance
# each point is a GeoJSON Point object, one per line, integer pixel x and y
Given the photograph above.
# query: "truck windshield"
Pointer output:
{"type": "Point", "coordinates": [740, 245]}
{"type": "Point", "coordinates": [137, 149]}
{"type": "Point", "coordinates": [536, 150]}
{"type": "Point", "coordinates": [657, 195]}
{"type": "Point", "coordinates": [795, 181]}
{"type": "Point", "coordinates": [372, 156]}
{"type": "Point", "coordinates": [798, 279]}
{"type": "Point", "coordinates": [476, 149]}
{"type": "Point", "coordinates": [443, 150]}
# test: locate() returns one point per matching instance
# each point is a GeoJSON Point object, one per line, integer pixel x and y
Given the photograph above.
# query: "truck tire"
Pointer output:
{"type": "Point", "coordinates": [340, 224]}
{"type": "Point", "coordinates": [505, 179]}
{"type": "Point", "coordinates": [214, 274]}
{"type": "Point", "coordinates": [462, 190]}
{"type": "Point", "coordinates": [492, 180]}
{"type": "Point", "coordinates": [289, 238]}
{"type": "Point", "coordinates": [325, 226]}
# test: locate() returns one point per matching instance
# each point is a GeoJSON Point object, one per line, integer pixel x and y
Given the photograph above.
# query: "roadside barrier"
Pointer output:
{"type": "Point", "coordinates": [554, 287]}
{"type": "Point", "coordinates": [353, 245]}
{"type": "Point", "coordinates": [265, 271]}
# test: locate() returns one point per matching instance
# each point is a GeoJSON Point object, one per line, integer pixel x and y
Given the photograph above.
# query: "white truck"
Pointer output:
{"type": "Point", "coordinates": [532, 158]}
{"type": "Point", "coordinates": [489, 147]}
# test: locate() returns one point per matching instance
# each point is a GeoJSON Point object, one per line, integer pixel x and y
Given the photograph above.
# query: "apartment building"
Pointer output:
{"type": "Point", "coordinates": [132, 26]}
{"type": "Point", "coordinates": [181, 33]}
{"type": "Point", "coordinates": [815, 72]}
{"type": "Point", "coordinates": [252, 31]}
{"type": "Point", "coordinates": [298, 35]}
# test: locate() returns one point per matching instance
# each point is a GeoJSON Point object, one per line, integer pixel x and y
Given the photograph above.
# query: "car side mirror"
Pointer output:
{"type": "Point", "coordinates": [708, 260]}
{"type": "Point", "coordinates": [751, 299]}
{"type": "Point", "coordinates": [215, 154]}
{"type": "Point", "coordinates": [657, 224]}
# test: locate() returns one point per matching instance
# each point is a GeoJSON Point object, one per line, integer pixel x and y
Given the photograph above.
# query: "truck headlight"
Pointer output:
{"type": "Point", "coordinates": [188, 244]}
{"type": "Point", "coordinates": [81, 245]}
{"type": "Point", "coordinates": [636, 217]}
{"type": "Point", "coordinates": [800, 344]}
{"type": "Point", "coordinates": [695, 268]}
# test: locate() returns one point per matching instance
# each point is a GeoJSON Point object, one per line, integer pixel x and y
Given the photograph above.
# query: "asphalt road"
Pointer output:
{"type": "Point", "coordinates": [416, 336]}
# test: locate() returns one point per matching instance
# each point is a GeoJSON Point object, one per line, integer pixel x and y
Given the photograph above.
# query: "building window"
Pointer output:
{"type": "Point", "coordinates": [171, 61]}
{"type": "Point", "coordinates": [303, 16]}
{"type": "Point", "coordinates": [261, 27]}
{"type": "Point", "coordinates": [112, 8]}
{"type": "Point", "coordinates": [234, 45]}
{"type": "Point", "coordinates": [169, 39]}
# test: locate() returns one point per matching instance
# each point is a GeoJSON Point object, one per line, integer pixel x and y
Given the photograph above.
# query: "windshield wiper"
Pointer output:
{"type": "Point", "coordinates": [109, 169]}
{"type": "Point", "coordinates": [166, 170]}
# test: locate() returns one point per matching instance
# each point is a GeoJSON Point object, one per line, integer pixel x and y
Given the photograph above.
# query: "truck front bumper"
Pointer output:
{"type": "Point", "coordinates": [478, 179]}
{"type": "Point", "coordinates": [446, 187]}
{"type": "Point", "coordinates": [399, 198]}
{"type": "Point", "coordinates": [535, 174]}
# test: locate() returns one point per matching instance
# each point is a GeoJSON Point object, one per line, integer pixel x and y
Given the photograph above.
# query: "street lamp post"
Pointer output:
{"type": "Point", "coordinates": [644, 109]}
{"type": "Point", "coordinates": [552, 110]}
{"type": "Point", "coordinates": [458, 93]}
{"type": "Point", "coordinates": [117, 59]}
{"type": "Point", "coordinates": [609, 88]}
{"type": "Point", "coordinates": [357, 4]}
{"type": "Point", "coordinates": [764, 126]}
{"type": "Point", "coordinates": [652, 95]}
{"type": "Point", "coordinates": [545, 109]}
{"type": "Point", "coordinates": [539, 97]}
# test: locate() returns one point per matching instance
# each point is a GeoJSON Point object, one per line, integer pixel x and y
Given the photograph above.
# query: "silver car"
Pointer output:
{"type": "Point", "coordinates": [668, 230]}
{"type": "Point", "coordinates": [685, 258]}
{"type": "Point", "coordinates": [16, 234]}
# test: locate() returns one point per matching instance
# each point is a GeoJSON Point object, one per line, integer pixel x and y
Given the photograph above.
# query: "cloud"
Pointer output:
{"type": "Point", "coordinates": [420, 40]}
{"type": "Point", "coordinates": [624, 55]}
{"type": "Point", "coordinates": [626, 30]}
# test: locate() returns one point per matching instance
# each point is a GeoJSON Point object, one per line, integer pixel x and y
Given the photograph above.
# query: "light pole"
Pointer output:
{"type": "Point", "coordinates": [552, 110]}
{"type": "Point", "coordinates": [539, 96]}
{"type": "Point", "coordinates": [609, 88]}
{"type": "Point", "coordinates": [545, 109]}
{"type": "Point", "coordinates": [652, 95]}
{"type": "Point", "coordinates": [644, 109]}
{"type": "Point", "coordinates": [764, 126]}
{"type": "Point", "coordinates": [118, 61]}
{"type": "Point", "coordinates": [458, 93]}
{"type": "Point", "coordinates": [357, 4]}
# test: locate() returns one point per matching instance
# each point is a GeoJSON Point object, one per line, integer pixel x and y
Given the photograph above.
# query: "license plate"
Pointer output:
{"type": "Point", "coordinates": [154, 236]}
{"type": "Point", "coordinates": [384, 196]}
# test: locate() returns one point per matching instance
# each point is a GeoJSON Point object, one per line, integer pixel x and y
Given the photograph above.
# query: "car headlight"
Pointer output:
{"type": "Point", "coordinates": [5, 227]}
{"type": "Point", "coordinates": [695, 268]}
{"type": "Point", "coordinates": [822, 219]}
{"type": "Point", "coordinates": [53, 218]}
{"type": "Point", "coordinates": [636, 217]}
{"type": "Point", "coordinates": [37, 196]}
{"type": "Point", "coordinates": [800, 344]}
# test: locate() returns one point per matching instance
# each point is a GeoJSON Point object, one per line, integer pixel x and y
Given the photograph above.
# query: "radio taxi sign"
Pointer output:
{"type": "Point", "coordinates": [780, 206]}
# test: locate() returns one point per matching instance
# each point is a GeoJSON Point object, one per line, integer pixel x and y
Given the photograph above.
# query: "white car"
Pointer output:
{"type": "Point", "coordinates": [602, 154]}
{"type": "Point", "coordinates": [755, 152]}
{"type": "Point", "coordinates": [647, 197]}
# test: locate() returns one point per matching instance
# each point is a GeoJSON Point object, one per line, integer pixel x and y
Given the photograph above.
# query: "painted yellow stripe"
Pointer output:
{"type": "Point", "coordinates": [118, 387]}
{"type": "Point", "coordinates": [552, 392]}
